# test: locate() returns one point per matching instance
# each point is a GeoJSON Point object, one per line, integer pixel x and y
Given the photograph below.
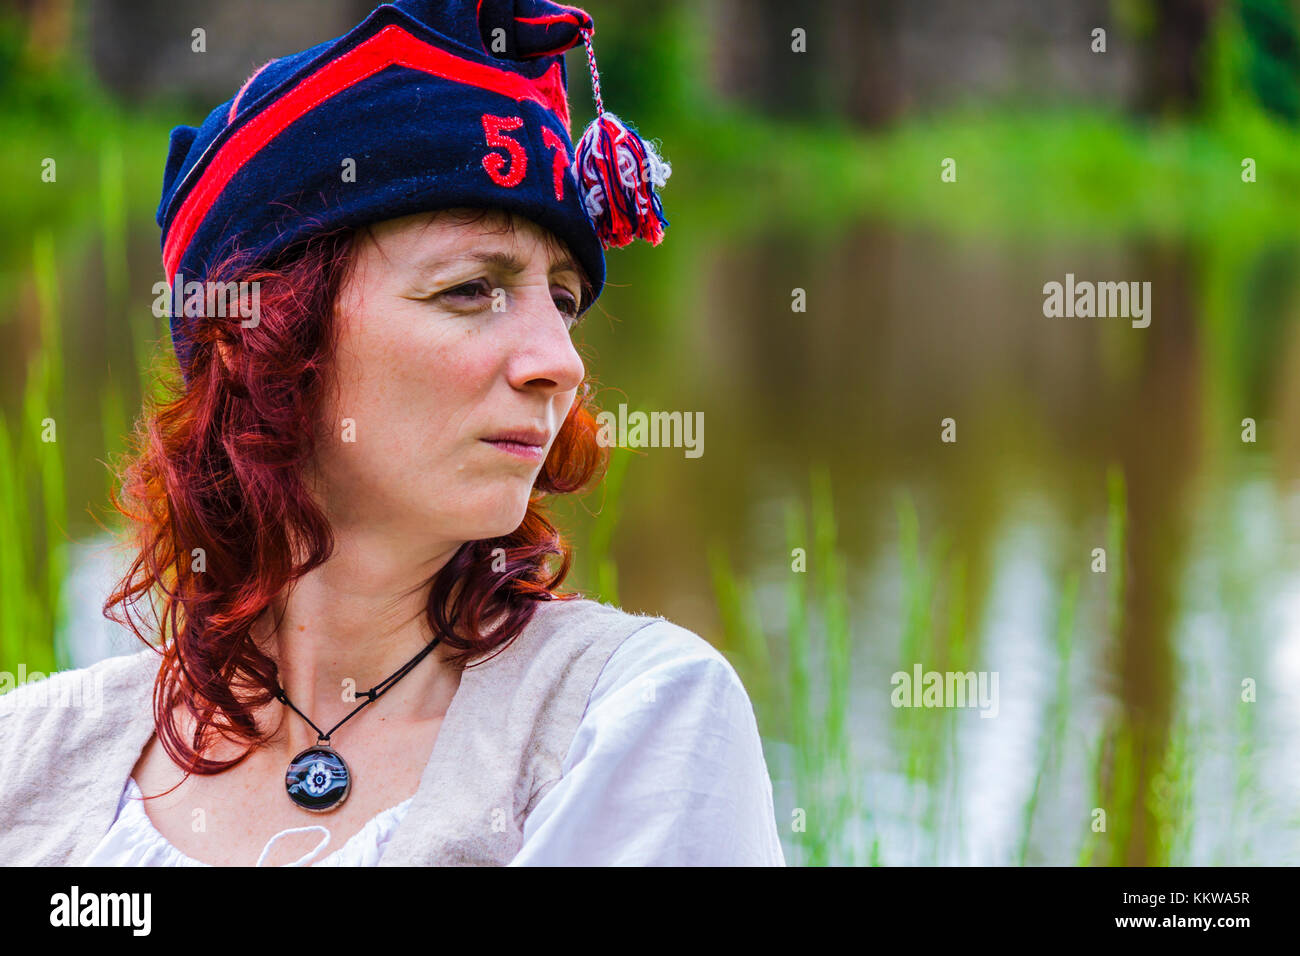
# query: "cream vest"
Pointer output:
{"type": "Point", "coordinates": [69, 743]}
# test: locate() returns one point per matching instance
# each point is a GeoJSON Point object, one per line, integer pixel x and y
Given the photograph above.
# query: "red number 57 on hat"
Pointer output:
{"type": "Point", "coordinates": [509, 169]}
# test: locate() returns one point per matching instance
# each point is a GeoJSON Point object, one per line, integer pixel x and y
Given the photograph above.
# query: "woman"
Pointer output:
{"type": "Point", "coordinates": [365, 657]}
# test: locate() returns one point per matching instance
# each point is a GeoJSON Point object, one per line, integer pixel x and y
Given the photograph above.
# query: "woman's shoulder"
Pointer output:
{"type": "Point", "coordinates": [674, 668]}
{"type": "Point", "coordinates": [666, 766]}
{"type": "Point", "coordinates": [63, 704]}
{"type": "Point", "coordinates": [563, 633]}
{"type": "Point", "coordinates": [670, 650]}
{"type": "Point", "coordinates": [113, 672]}
{"type": "Point", "coordinates": [594, 661]}
{"type": "Point", "coordinates": [67, 743]}
{"type": "Point", "coordinates": [570, 612]}
{"type": "Point", "coordinates": [633, 643]}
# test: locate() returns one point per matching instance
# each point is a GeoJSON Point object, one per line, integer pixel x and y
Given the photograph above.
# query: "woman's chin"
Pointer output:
{"type": "Point", "coordinates": [497, 520]}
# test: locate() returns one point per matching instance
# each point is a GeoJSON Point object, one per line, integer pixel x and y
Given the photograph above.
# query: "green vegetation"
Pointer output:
{"type": "Point", "coordinates": [33, 512]}
{"type": "Point", "coordinates": [798, 676]}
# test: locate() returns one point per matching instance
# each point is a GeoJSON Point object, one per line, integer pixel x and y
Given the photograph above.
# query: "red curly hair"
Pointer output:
{"type": "Point", "coordinates": [217, 465]}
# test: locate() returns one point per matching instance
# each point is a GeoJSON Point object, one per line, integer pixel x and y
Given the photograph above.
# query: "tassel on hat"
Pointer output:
{"type": "Point", "coordinates": [618, 173]}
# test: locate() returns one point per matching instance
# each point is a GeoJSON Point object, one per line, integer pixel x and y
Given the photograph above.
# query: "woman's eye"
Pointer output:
{"type": "Point", "coordinates": [479, 288]}
{"type": "Point", "coordinates": [469, 290]}
{"type": "Point", "coordinates": [567, 305]}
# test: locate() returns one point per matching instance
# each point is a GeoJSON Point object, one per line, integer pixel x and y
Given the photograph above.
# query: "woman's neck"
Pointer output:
{"type": "Point", "coordinates": [350, 624]}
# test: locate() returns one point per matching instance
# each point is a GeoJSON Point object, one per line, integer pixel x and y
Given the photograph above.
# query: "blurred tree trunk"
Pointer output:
{"type": "Point", "coordinates": [863, 41]}
{"type": "Point", "coordinates": [1174, 66]}
{"type": "Point", "coordinates": [848, 69]}
{"type": "Point", "coordinates": [48, 30]}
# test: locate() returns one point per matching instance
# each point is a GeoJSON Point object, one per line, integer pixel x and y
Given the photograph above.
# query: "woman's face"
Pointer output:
{"type": "Point", "coordinates": [455, 369]}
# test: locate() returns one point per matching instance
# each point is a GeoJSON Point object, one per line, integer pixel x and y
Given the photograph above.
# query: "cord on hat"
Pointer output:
{"type": "Point", "coordinates": [618, 172]}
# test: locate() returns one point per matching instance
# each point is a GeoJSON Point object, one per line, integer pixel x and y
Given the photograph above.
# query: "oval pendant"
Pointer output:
{"type": "Point", "coordinates": [318, 779]}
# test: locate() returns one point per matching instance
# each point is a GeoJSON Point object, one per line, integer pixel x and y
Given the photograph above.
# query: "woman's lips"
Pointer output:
{"type": "Point", "coordinates": [518, 449]}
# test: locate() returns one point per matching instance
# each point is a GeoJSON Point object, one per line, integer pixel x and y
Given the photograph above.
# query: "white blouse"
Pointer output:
{"type": "Point", "coordinates": [681, 782]}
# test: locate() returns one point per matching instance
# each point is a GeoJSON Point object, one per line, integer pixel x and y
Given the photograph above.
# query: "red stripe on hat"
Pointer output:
{"type": "Point", "coordinates": [548, 22]}
{"type": "Point", "coordinates": [234, 104]}
{"type": "Point", "coordinates": [391, 46]}
{"type": "Point", "coordinates": [553, 18]}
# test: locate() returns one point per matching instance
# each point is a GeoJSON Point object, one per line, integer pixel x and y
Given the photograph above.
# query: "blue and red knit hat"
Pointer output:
{"type": "Point", "coordinates": [438, 104]}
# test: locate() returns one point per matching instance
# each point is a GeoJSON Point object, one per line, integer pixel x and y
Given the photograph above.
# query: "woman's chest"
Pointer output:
{"type": "Point", "coordinates": [227, 819]}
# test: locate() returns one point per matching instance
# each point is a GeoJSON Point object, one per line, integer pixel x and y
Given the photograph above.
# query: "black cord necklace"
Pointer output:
{"type": "Point", "coordinates": [318, 779]}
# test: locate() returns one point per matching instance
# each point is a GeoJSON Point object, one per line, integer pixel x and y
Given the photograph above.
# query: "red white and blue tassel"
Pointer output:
{"type": "Point", "coordinates": [618, 173]}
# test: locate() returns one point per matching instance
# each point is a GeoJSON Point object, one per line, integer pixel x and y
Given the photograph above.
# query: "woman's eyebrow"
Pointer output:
{"type": "Point", "coordinates": [507, 262]}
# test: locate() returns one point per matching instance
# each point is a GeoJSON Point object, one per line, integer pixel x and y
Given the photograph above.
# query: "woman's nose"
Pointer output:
{"type": "Point", "coordinates": [544, 356]}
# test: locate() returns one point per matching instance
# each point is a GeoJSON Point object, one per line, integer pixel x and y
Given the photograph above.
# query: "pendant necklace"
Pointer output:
{"type": "Point", "coordinates": [318, 779]}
